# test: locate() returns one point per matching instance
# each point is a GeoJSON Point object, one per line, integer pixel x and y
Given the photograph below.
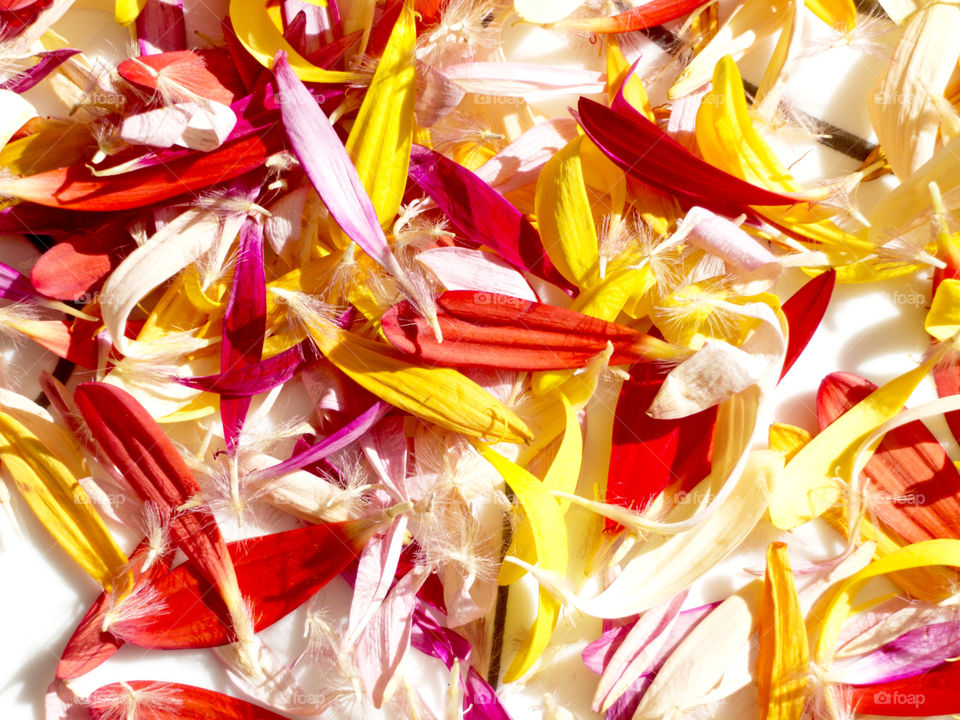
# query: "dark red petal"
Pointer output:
{"type": "Point", "coordinates": [244, 325]}
{"type": "Point", "coordinates": [804, 310]}
{"type": "Point", "coordinates": [645, 151]}
{"type": "Point", "coordinates": [482, 215]}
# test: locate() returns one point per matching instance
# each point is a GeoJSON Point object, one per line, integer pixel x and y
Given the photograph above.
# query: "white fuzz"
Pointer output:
{"type": "Point", "coordinates": [467, 30]}
{"type": "Point", "coordinates": [122, 702]}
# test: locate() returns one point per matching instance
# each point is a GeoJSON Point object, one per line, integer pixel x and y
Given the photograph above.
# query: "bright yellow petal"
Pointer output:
{"type": "Point", "coordinates": [262, 39]}
{"type": "Point", "coordinates": [126, 11]}
{"type": "Point", "coordinates": [379, 142]}
{"type": "Point", "coordinates": [565, 217]}
{"type": "Point", "coordinates": [549, 532]}
{"type": "Point", "coordinates": [943, 319]}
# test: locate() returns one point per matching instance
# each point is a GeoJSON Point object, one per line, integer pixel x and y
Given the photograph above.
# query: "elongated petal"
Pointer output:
{"type": "Point", "coordinates": [550, 540]}
{"type": "Point", "coordinates": [565, 218]}
{"type": "Point", "coordinates": [465, 269]}
{"type": "Point", "coordinates": [49, 61]}
{"type": "Point", "coordinates": [75, 188]}
{"type": "Point", "coordinates": [806, 487]}
{"type": "Point", "coordinates": [258, 377]}
{"type": "Point", "coordinates": [276, 573]}
{"type": "Point", "coordinates": [148, 700]}
{"type": "Point", "coordinates": [646, 152]}
{"type": "Point", "coordinates": [151, 464]}
{"type": "Point", "coordinates": [901, 104]}
{"type": "Point", "coordinates": [486, 330]}
{"type": "Point", "coordinates": [932, 693]}
{"type": "Point", "coordinates": [481, 214]}
{"type": "Point", "coordinates": [51, 489]}
{"type": "Point", "coordinates": [327, 164]}
{"type": "Point", "coordinates": [804, 310]}
{"type": "Point", "coordinates": [782, 661]}
{"type": "Point", "coordinates": [244, 324]}
{"type": "Point", "coordinates": [438, 395]}
{"type": "Point", "coordinates": [381, 137]}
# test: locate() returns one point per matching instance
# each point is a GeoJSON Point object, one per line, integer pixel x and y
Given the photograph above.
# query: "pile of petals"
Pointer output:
{"type": "Point", "coordinates": [336, 302]}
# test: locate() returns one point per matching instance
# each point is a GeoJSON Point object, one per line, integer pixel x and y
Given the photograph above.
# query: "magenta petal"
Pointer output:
{"type": "Point", "coordinates": [15, 286]}
{"type": "Point", "coordinates": [245, 324]}
{"type": "Point", "coordinates": [348, 434]}
{"type": "Point", "coordinates": [480, 700]}
{"type": "Point", "coordinates": [161, 27]}
{"type": "Point", "coordinates": [911, 654]}
{"type": "Point", "coordinates": [49, 61]}
{"type": "Point", "coordinates": [482, 215]}
{"type": "Point", "coordinates": [328, 166]}
{"type": "Point", "coordinates": [257, 377]}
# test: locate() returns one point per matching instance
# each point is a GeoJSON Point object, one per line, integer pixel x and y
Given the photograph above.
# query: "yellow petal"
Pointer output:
{"type": "Point", "coordinates": [562, 475]}
{"type": "Point", "coordinates": [943, 319]}
{"type": "Point", "coordinates": [788, 439]}
{"type": "Point", "coordinates": [807, 486]}
{"type": "Point", "coordinates": [783, 656]}
{"type": "Point", "coordinates": [839, 14]}
{"type": "Point", "coordinates": [55, 496]}
{"type": "Point", "coordinates": [126, 11]}
{"type": "Point", "coordinates": [549, 533]}
{"type": "Point", "coordinates": [933, 584]}
{"type": "Point", "coordinates": [438, 395]}
{"type": "Point", "coordinates": [262, 39]}
{"type": "Point", "coordinates": [918, 555]}
{"type": "Point", "coordinates": [379, 142]}
{"type": "Point", "coordinates": [620, 78]}
{"type": "Point", "coordinates": [728, 139]}
{"type": "Point", "coordinates": [565, 218]}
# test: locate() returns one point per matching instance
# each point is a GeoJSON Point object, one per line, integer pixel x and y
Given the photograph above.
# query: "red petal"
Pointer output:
{"type": "Point", "coordinates": [146, 457]}
{"type": "Point", "coordinates": [207, 73]}
{"type": "Point", "coordinates": [89, 647]}
{"type": "Point", "coordinates": [75, 188]}
{"type": "Point", "coordinates": [946, 375]}
{"type": "Point", "coordinates": [277, 573]}
{"type": "Point", "coordinates": [910, 467]}
{"type": "Point", "coordinates": [804, 311]}
{"type": "Point", "coordinates": [171, 701]}
{"type": "Point", "coordinates": [74, 268]}
{"type": "Point", "coordinates": [490, 330]}
{"type": "Point", "coordinates": [933, 693]}
{"type": "Point", "coordinates": [650, 455]}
